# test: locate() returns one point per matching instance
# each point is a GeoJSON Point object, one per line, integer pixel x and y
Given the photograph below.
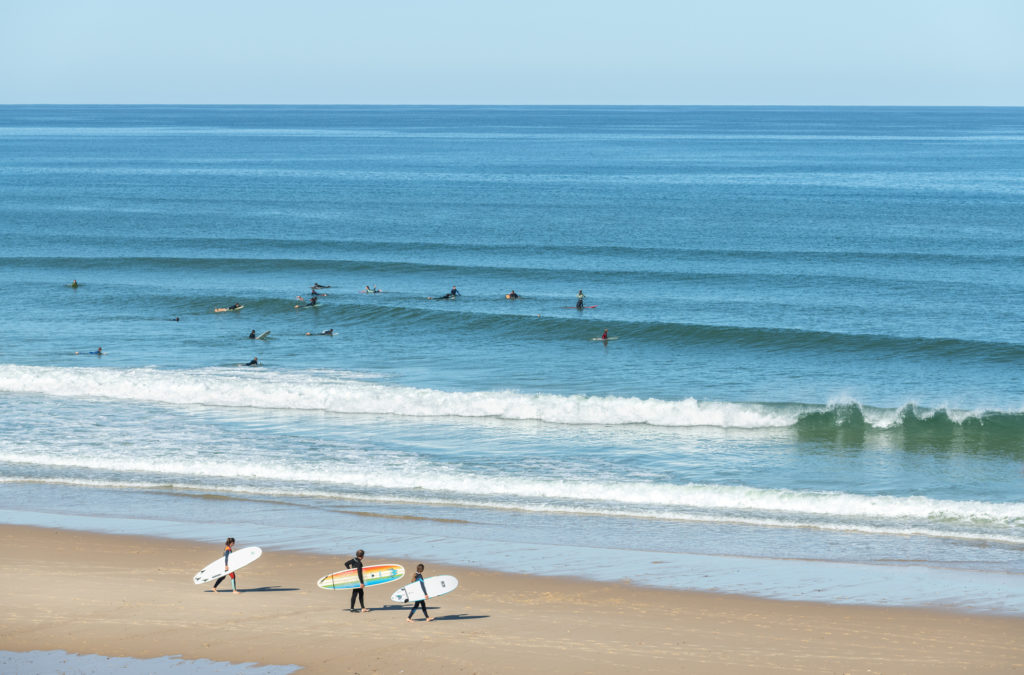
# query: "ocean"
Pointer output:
{"type": "Point", "coordinates": [816, 391]}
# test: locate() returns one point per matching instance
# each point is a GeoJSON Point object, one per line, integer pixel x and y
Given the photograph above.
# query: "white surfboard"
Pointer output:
{"type": "Point", "coordinates": [236, 561]}
{"type": "Point", "coordinates": [439, 585]}
{"type": "Point", "coordinates": [263, 335]}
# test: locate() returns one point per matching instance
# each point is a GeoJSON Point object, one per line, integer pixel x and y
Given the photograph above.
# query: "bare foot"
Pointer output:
{"type": "Point", "coordinates": [234, 591]}
{"type": "Point", "coordinates": [409, 620]}
{"type": "Point", "coordinates": [430, 619]}
{"type": "Point", "coordinates": [216, 591]}
{"type": "Point", "coordinates": [364, 610]}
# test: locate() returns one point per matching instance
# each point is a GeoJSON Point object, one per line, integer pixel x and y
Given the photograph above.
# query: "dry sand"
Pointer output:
{"type": "Point", "coordinates": [134, 596]}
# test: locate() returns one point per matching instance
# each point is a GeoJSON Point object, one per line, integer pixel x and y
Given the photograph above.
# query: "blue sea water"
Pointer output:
{"type": "Point", "coordinates": [818, 363]}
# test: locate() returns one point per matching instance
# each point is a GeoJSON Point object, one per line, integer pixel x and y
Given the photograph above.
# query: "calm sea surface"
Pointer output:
{"type": "Point", "coordinates": [817, 390]}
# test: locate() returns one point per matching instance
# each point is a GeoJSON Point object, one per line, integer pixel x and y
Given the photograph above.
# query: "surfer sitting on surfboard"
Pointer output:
{"type": "Point", "coordinates": [512, 295]}
{"type": "Point", "coordinates": [357, 563]}
{"type": "Point", "coordinates": [420, 604]}
{"type": "Point", "coordinates": [252, 334]}
{"type": "Point", "coordinates": [604, 335]}
{"type": "Point", "coordinates": [227, 551]}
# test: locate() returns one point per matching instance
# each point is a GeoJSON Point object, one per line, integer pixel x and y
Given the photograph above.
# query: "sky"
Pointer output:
{"type": "Point", "coordinates": [527, 52]}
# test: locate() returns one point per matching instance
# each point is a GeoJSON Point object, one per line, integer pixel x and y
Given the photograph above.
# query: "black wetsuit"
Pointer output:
{"type": "Point", "coordinates": [252, 335]}
{"type": "Point", "coordinates": [356, 592]}
{"type": "Point", "coordinates": [420, 604]}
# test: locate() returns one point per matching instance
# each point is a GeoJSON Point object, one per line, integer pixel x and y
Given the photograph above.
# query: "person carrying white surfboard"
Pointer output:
{"type": "Point", "coordinates": [228, 545]}
{"type": "Point", "coordinates": [420, 604]}
{"type": "Point", "coordinates": [357, 564]}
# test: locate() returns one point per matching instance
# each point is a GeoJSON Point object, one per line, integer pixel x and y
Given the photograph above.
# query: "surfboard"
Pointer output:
{"type": "Point", "coordinates": [236, 561]}
{"type": "Point", "coordinates": [373, 575]}
{"type": "Point", "coordinates": [439, 585]}
{"type": "Point", "coordinates": [263, 335]}
{"type": "Point", "coordinates": [604, 339]}
{"type": "Point", "coordinates": [228, 309]}
{"type": "Point", "coordinates": [574, 307]}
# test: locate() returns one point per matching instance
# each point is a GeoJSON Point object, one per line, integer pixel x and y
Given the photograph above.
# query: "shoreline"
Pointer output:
{"type": "Point", "coordinates": [127, 595]}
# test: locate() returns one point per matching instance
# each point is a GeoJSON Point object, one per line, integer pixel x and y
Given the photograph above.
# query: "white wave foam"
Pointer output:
{"type": "Point", "coordinates": [415, 479]}
{"type": "Point", "coordinates": [344, 394]}
{"type": "Point", "coordinates": [902, 530]}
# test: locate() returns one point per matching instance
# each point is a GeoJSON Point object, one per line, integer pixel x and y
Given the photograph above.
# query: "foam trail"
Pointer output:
{"type": "Point", "coordinates": [332, 393]}
{"type": "Point", "coordinates": [416, 476]}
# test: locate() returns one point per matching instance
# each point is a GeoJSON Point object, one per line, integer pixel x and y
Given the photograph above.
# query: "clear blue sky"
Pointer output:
{"type": "Point", "coordinates": [731, 52]}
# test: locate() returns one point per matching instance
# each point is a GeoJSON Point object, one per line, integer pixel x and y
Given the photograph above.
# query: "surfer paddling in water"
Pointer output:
{"type": "Point", "coordinates": [420, 604]}
{"type": "Point", "coordinates": [357, 564]}
{"type": "Point", "coordinates": [228, 546]}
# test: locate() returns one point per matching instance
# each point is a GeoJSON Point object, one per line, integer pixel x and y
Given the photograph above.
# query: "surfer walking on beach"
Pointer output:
{"type": "Point", "coordinates": [228, 546]}
{"type": "Point", "coordinates": [357, 564]}
{"type": "Point", "coordinates": [420, 604]}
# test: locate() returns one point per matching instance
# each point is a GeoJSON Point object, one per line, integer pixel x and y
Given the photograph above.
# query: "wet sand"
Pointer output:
{"type": "Point", "coordinates": [133, 596]}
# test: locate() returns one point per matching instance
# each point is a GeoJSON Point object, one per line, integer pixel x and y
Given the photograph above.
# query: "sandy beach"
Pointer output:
{"type": "Point", "coordinates": [133, 596]}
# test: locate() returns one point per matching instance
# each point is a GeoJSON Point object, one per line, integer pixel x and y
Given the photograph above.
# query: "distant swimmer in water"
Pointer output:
{"type": "Point", "coordinates": [512, 295]}
{"type": "Point", "coordinates": [450, 295]}
{"type": "Point", "coordinates": [74, 283]}
{"type": "Point", "coordinates": [579, 299]}
{"type": "Point", "coordinates": [604, 335]}
{"type": "Point", "coordinates": [316, 285]}
{"type": "Point", "coordinates": [177, 318]}
{"type": "Point", "coordinates": [98, 352]}
{"type": "Point", "coordinates": [329, 332]}
{"type": "Point", "coordinates": [252, 334]}
{"type": "Point", "coordinates": [254, 362]}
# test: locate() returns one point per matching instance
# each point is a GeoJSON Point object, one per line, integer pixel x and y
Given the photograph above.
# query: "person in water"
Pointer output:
{"type": "Point", "coordinates": [512, 295]}
{"type": "Point", "coordinates": [252, 334]}
{"type": "Point", "coordinates": [316, 285]}
{"type": "Point", "coordinates": [420, 604]}
{"type": "Point", "coordinates": [450, 295]}
{"type": "Point", "coordinates": [234, 306]}
{"type": "Point", "coordinates": [328, 332]}
{"type": "Point", "coordinates": [604, 335]}
{"type": "Point", "coordinates": [99, 351]}
{"type": "Point", "coordinates": [356, 563]}
{"type": "Point", "coordinates": [228, 546]}
{"type": "Point", "coordinates": [579, 299]}
{"type": "Point", "coordinates": [74, 283]}
{"type": "Point", "coordinates": [254, 362]}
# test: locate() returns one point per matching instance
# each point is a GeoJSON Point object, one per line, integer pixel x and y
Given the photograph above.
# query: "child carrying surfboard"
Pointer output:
{"type": "Point", "coordinates": [228, 546]}
{"type": "Point", "coordinates": [420, 604]}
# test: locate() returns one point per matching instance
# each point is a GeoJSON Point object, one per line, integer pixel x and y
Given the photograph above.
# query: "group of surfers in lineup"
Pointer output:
{"type": "Point", "coordinates": [315, 295]}
{"type": "Point", "coordinates": [356, 563]}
